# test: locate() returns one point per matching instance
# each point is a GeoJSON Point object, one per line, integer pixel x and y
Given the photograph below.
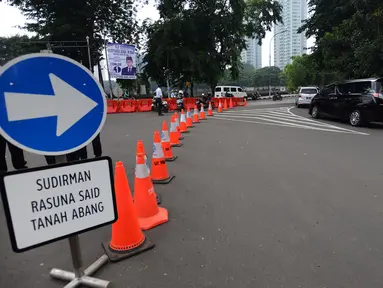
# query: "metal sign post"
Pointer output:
{"type": "Point", "coordinates": [79, 277]}
{"type": "Point", "coordinates": [57, 110]}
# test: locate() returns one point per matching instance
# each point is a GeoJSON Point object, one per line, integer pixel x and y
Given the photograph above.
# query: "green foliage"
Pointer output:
{"type": "Point", "coordinates": [250, 77]}
{"type": "Point", "coordinates": [349, 37]}
{"type": "Point", "coordinates": [304, 72]}
{"type": "Point", "coordinates": [197, 40]}
{"type": "Point", "coordinates": [299, 73]}
{"type": "Point", "coordinates": [12, 47]}
{"type": "Point", "coordinates": [74, 20]}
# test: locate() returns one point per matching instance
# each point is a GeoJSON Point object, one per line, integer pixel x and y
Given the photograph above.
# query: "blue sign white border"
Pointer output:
{"type": "Point", "coordinates": [52, 55]}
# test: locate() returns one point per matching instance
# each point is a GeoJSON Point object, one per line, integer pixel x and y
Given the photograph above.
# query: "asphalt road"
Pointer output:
{"type": "Point", "coordinates": [263, 197]}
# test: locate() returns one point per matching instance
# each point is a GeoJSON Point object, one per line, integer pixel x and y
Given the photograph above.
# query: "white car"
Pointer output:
{"type": "Point", "coordinates": [305, 95]}
{"type": "Point", "coordinates": [235, 91]}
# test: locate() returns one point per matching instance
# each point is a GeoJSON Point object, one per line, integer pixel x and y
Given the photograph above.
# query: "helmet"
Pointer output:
{"type": "Point", "coordinates": [181, 92]}
{"type": "Point", "coordinates": [203, 94]}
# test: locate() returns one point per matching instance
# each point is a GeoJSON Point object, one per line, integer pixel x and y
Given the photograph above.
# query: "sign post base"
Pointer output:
{"type": "Point", "coordinates": [84, 279]}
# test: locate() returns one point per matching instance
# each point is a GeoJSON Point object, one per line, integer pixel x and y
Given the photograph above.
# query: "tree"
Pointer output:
{"type": "Point", "coordinates": [348, 37]}
{"type": "Point", "coordinates": [267, 76]}
{"type": "Point", "coordinates": [12, 47]}
{"type": "Point", "coordinates": [198, 40]}
{"type": "Point", "coordinates": [74, 20]}
{"type": "Point", "coordinates": [299, 72]}
{"type": "Point", "coordinates": [244, 79]}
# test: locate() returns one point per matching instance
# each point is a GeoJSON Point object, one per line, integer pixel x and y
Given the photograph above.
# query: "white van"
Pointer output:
{"type": "Point", "coordinates": [236, 91]}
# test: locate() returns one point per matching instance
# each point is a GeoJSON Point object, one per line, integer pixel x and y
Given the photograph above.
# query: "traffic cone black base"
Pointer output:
{"type": "Point", "coordinates": [182, 138]}
{"type": "Point", "coordinates": [171, 159]}
{"type": "Point", "coordinates": [178, 145]}
{"type": "Point", "coordinates": [165, 181]}
{"type": "Point", "coordinates": [117, 255]}
{"type": "Point", "coordinates": [185, 132]}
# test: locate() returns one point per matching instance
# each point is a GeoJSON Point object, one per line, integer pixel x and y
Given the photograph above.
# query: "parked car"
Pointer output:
{"type": "Point", "coordinates": [305, 95]}
{"type": "Point", "coordinates": [229, 91]}
{"type": "Point", "coordinates": [358, 101]}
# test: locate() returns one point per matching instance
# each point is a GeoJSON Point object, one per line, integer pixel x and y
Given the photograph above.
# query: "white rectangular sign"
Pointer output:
{"type": "Point", "coordinates": [50, 203]}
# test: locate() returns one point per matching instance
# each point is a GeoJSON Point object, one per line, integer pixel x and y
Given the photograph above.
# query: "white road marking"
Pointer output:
{"type": "Point", "coordinates": [281, 116]}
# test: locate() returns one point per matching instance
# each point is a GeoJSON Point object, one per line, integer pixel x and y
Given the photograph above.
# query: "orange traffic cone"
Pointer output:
{"type": "Point", "coordinates": [140, 150]}
{"type": "Point", "coordinates": [174, 137]}
{"type": "Point", "coordinates": [231, 103]}
{"type": "Point", "coordinates": [160, 174]}
{"type": "Point", "coordinates": [195, 115]}
{"type": "Point", "coordinates": [127, 238]}
{"type": "Point", "coordinates": [202, 114]}
{"type": "Point", "coordinates": [165, 141]}
{"type": "Point", "coordinates": [220, 107]}
{"type": "Point", "coordinates": [225, 105]}
{"type": "Point", "coordinates": [245, 104]}
{"type": "Point", "coordinates": [183, 125]}
{"type": "Point", "coordinates": [149, 214]}
{"type": "Point", "coordinates": [180, 137]}
{"type": "Point", "coordinates": [210, 110]}
{"type": "Point", "coordinates": [189, 121]}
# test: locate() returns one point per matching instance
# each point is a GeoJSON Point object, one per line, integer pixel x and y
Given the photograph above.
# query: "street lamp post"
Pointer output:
{"type": "Point", "coordinates": [284, 31]}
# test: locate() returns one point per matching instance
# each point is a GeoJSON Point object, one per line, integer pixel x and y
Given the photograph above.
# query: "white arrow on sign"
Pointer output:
{"type": "Point", "coordinates": [67, 103]}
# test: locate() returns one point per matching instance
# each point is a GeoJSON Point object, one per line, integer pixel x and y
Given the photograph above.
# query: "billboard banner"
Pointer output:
{"type": "Point", "coordinates": [122, 61]}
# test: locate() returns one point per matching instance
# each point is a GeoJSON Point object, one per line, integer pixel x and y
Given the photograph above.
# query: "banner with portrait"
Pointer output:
{"type": "Point", "coordinates": [122, 61]}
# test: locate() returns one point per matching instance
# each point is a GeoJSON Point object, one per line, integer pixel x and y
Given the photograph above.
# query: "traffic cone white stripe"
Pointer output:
{"type": "Point", "coordinates": [183, 118]}
{"type": "Point", "coordinates": [173, 127]}
{"type": "Point", "coordinates": [158, 152]}
{"type": "Point", "coordinates": [165, 136]}
{"type": "Point", "coordinates": [141, 171]}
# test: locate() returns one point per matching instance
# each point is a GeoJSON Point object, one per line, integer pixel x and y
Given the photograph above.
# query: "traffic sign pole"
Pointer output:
{"type": "Point", "coordinates": [79, 277]}
{"type": "Point", "coordinates": [56, 110]}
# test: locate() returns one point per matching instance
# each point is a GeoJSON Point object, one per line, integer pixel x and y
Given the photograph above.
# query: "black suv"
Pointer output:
{"type": "Point", "coordinates": [358, 101]}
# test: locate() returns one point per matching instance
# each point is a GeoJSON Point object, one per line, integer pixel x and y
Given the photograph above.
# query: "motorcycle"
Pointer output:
{"type": "Point", "coordinates": [277, 96]}
{"type": "Point", "coordinates": [165, 108]}
{"type": "Point", "coordinates": [205, 102]}
{"type": "Point", "coordinates": [180, 103]}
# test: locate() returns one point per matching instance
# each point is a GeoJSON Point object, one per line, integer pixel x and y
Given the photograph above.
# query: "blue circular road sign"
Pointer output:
{"type": "Point", "coordinates": [50, 104]}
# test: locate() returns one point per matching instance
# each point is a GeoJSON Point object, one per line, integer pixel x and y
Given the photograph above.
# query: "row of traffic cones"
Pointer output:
{"type": "Point", "coordinates": [142, 212]}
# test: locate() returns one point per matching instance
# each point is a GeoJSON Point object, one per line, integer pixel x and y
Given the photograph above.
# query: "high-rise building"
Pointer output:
{"type": "Point", "coordinates": [253, 54]}
{"type": "Point", "coordinates": [290, 43]}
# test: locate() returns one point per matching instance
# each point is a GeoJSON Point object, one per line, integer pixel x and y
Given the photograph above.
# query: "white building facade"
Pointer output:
{"type": "Point", "coordinates": [253, 54]}
{"type": "Point", "coordinates": [290, 43]}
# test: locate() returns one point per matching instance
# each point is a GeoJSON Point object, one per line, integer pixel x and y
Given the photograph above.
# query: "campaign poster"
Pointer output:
{"type": "Point", "coordinates": [122, 61]}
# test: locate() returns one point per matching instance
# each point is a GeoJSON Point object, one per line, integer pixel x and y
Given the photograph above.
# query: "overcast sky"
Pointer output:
{"type": "Point", "coordinates": [11, 17]}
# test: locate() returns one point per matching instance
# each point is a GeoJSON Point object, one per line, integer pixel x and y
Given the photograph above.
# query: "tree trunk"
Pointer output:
{"type": "Point", "coordinates": [191, 89]}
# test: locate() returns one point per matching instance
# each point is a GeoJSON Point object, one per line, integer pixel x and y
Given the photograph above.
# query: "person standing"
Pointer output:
{"type": "Point", "coordinates": [79, 154]}
{"type": "Point", "coordinates": [158, 97]}
{"type": "Point", "coordinates": [17, 156]}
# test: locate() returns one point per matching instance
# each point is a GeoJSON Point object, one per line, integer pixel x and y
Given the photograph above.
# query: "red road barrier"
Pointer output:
{"type": "Point", "coordinates": [128, 106]}
{"type": "Point", "coordinates": [113, 106]}
{"type": "Point", "coordinates": [189, 103]}
{"type": "Point", "coordinates": [172, 103]}
{"type": "Point", "coordinates": [144, 105]}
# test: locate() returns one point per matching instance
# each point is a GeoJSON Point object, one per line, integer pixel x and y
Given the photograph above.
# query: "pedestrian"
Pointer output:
{"type": "Point", "coordinates": [97, 148]}
{"type": "Point", "coordinates": [17, 156]}
{"type": "Point", "coordinates": [158, 98]}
